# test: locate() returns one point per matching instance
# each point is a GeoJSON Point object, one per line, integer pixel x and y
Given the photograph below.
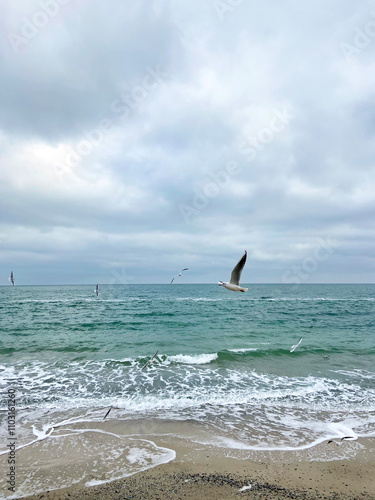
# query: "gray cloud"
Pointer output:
{"type": "Point", "coordinates": [66, 77]}
{"type": "Point", "coordinates": [152, 135]}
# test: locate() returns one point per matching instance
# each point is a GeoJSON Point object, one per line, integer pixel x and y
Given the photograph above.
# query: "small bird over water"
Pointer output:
{"type": "Point", "coordinates": [150, 360]}
{"type": "Point", "coordinates": [179, 274]}
{"type": "Point", "coordinates": [294, 347]}
{"type": "Point", "coordinates": [11, 278]}
{"type": "Point", "coordinates": [97, 290]}
{"type": "Point", "coordinates": [234, 284]}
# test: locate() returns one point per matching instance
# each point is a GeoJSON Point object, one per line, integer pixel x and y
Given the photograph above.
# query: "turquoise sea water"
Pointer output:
{"type": "Point", "coordinates": [224, 363]}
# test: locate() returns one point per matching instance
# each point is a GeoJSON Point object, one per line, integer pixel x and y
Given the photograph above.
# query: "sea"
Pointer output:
{"type": "Point", "coordinates": [192, 363]}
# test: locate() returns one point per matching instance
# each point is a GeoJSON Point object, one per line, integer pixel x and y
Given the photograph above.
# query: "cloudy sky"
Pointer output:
{"type": "Point", "coordinates": [141, 137]}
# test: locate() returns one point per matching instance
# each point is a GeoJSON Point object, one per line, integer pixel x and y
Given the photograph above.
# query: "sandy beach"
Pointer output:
{"type": "Point", "coordinates": [211, 475]}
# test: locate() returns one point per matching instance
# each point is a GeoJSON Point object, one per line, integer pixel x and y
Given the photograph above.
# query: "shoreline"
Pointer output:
{"type": "Point", "coordinates": [207, 473]}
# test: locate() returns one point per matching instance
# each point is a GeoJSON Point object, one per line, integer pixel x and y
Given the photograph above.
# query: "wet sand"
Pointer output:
{"type": "Point", "coordinates": [212, 476]}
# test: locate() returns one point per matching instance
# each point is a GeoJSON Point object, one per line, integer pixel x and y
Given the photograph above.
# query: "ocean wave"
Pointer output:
{"type": "Point", "coordinates": [311, 299]}
{"type": "Point", "coordinates": [244, 349]}
{"type": "Point", "coordinates": [197, 359]}
{"type": "Point", "coordinates": [175, 381]}
{"type": "Point", "coordinates": [364, 374]}
{"type": "Point", "coordinates": [200, 299]}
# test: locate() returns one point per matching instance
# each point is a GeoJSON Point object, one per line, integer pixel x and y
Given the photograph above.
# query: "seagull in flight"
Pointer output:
{"type": "Point", "coordinates": [179, 274]}
{"type": "Point", "coordinates": [106, 415]}
{"type": "Point", "coordinates": [150, 360]}
{"type": "Point", "coordinates": [234, 284]}
{"type": "Point", "coordinates": [11, 278]}
{"type": "Point", "coordinates": [97, 290]}
{"type": "Point", "coordinates": [294, 347]}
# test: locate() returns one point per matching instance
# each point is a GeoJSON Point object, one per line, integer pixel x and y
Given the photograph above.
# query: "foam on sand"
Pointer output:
{"type": "Point", "coordinates": [82, 455]}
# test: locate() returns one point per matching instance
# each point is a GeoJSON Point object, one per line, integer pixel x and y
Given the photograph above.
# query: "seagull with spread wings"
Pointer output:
{"type": "Point", "coordinates": [234, 284]}
{"type": "Point", "coordinates": [179, 274]}
{"type": "Point", "coordinates": [294, 347]}
{"type": "Point", "coordinates": [150, 360]}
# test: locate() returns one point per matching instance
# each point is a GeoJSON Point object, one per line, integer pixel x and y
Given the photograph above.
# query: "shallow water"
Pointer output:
{"type": "Point", "coordinates": [224, 365]}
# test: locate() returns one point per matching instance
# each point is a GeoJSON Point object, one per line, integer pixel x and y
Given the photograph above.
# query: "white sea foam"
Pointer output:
{"type": "Point", "coordinates": [313, 299]}
{"type": "Point", "coordinates": [261, 410]}
{"type": "Point", "coordinates": [98, 460]}
{"type": "Point", "coordinates": [244, 349]}
{"type": "Point", "coordinates": [197, 359]}
{"type": "Point", "coordinates": [179, 377]}
{"type": "Point", "coordinates": [199, 299]}
{"type": "Point", "coordinates": [365, 374]}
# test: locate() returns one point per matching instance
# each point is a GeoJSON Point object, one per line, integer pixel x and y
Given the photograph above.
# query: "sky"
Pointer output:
{"type": "Point", "coordinates": [139, 138]}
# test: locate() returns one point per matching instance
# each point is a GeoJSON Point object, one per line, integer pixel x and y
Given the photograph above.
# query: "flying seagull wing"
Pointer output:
{"type": "Point", "coordinates": [150, 360]}
{"type": "Point", "coordinates": [179, 274]}
{"type": "Point", "coordinates": [106, 415]}
{"type": "Point", "coordinates": [154, 355]}
{"type": "Point", "coordinates": [294, 347]}
{"type": "Point", "coordinates": [237, 270]}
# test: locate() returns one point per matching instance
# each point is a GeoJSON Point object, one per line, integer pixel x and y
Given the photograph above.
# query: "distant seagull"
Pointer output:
{"type": "Point", "coordinates": [97, 290]}
{"type": "Point", "coordinates": [179, 274]}
{"type": "Point", "coordinates": [11, 278]}
{"type": "Point", "coordinates": [150, 360]}
{"type": "Point", "coordinates": [234, 283]}
{"type": "Point", "coordinates": [294, 347]}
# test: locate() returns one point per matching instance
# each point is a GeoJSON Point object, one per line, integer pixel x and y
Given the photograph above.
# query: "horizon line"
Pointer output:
{"type": "Point", "coordinates": [186, 284]}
